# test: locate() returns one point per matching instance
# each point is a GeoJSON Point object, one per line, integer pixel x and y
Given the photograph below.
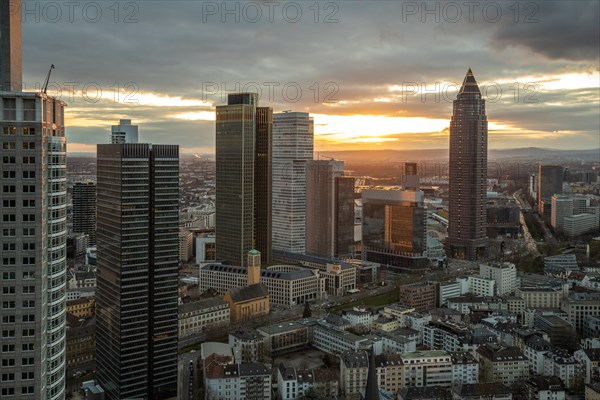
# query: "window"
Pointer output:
{"type": "Point", "coordinates": [28, 303]}
{"type": "Point", "coordinates": [8, 290]}
{"type": "Point", "coordinates": [8, 319]}
{"type": "Point", "coordinates": [9, 218]}
{"type": "Point", "coordinates": [27, 361]}
{"type": "Point", "coordinates": [8, 276]}
{"type": "Point", "coordinates": [28, 390]}
{"type": "Point", "coordinates": [28, 131]}
{"type": "Point", "coordinates": [9, 160]}
{"type": "Point", "coordinates": [28, 260]}
{"type": "Point", "coordinates": [28, 289]}
{"type": "Point", "coordinates": [28, 332]}
{"type": "Point", "coordinates": [9, 174]}
{"type": "Point", "coordinates": [28, 231]}
{"type": "Point", "coordinates": [28, 174]}
{"type": "Point", "coordinates": [29, 318]}
{"type": "Point", "coordinates": [28, 145]}
{"type": "Point", "coordinates": [27, 347]}
{"type": "Point", "coordinates": [8, 348]}
{"type": "Point", "coordinates": [28, 246]}
{"type": "Point", "coordinates": [29, 109]}
{"type": "Point", "coordinates": [9, 188]}
{"type": "Point", "coordinates": [8, 376]}
{"type": "Point", "coordinates": [8, 146]}
{"type": "Point", "coordinates": [28, 203]}
{"type": "Point", "coordinates": [9, 203]}
{"type": "Point", "coordinates": [28, 188]}
{"type": "Point", "coordinates": [9, 261]}
{"type": "Point", "coordinates": [28, 160]}
{"type": "Point", "coordinates": [10, 109]}
{"type": "Point", "coordinates": [8, 333]}
{"type": "Point", "coordinates": [27, 375]}
{"type": "Point", "coordinates": [28, 275]}
{"type": "Point", "coordinates": [28, 217]}
{"type": "Point", "coordinates": [9, 246]}
{"type": "Point", "coordinates": [8, 391]}
{"type": "Point", "coordinates": [8, 304]}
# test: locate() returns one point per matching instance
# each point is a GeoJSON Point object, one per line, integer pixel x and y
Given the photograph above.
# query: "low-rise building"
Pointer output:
{"type": "Point", "coordinates": [562, 365]}
{"type": "Point", "coordinates": [249, 381]}
{"type": "Point", "coordinates": [196, 316]}
{"type": "Point", "coordinates": [248, 345]}
{"type": "Point", "coordinates": [247, 302]}
{"type": "Point", "coordinates": [544, 297]}
{"type": "Point", "coordinates": [580, 305]}
{"type": "Point", "coordinates": [465, 368]}
{"type": "Point", "coordinates": [82, 308]}
{"type": "Point", "coordinates": [422, 296]}
{"type": "Point", "coordinates": [427, 368]}
{"type": "Point", "coordinates": [545, 388]}
{"type": "Point", "coordinates": [481, 391]}
{"type": "Point", "coordinates": [286, 337]}
{"type": "Point", "coordinates": [354, 367]}
{"type": "Point", "coordinates": [590, 361]}
{"type": "Point", "coordinates": [505, 364]}
{"type": "Point", "coordinates": [504, 274]}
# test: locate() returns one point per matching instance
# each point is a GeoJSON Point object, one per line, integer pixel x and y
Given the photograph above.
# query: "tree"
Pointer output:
{"type": "Point", "coordinates": [307, 313]}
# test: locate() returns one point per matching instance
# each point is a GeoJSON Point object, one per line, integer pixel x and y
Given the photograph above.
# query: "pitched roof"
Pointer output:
{"type": "Point", "coordinates": [247, 293]}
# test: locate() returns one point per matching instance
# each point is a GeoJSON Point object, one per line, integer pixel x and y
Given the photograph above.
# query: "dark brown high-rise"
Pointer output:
{"type": "Point", "coordinates": [468, 174]}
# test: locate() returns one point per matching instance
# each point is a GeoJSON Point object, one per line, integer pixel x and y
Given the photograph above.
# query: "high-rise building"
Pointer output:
{"type": "Point", "coordinates": [394, 231]}
{"type": "Point", "coordinates": [137, 293]}
{"type": "Point", "coordinates": [33, 230]}
{"type": "Point", "coordinates": [410, 179]}
{"type": "Point", "coordinates": [124, 132]}
{"type": "Point", "coordinates": [329, 209]}
{"type": "Point", "coordinates": [84, 209]}
{"type": "Point", "coordinates": [549, 180]}
{"type": "Point", "coordinates": [293, 146]}
{"type": "Point", "coordinates": [468, 174]}
{"type": "Point", "coordinates": [243, 178]}
{"type": "Point", "coordinates": [11, 62]}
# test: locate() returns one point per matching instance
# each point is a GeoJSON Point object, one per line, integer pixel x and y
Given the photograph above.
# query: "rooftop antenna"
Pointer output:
{"type": "Point", "coordinates": [45, 87]}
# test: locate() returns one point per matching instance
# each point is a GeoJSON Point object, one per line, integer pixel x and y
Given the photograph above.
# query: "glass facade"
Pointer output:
{"type": "Point", "coordinates": [138, 255]}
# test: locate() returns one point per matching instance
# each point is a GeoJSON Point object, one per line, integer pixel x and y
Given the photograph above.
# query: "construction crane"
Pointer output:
{"type": "Point", "coordinates": [45, 87]}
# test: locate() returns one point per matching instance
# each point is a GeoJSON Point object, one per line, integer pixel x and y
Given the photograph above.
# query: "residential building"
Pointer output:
{"type": "Point", "coordinates": [590, 361]}
{"type": "Point", "coordinates": [468, 174]}
{"type": "Point", "coordinates": [354, 367]}
{"type": "Point", "coordinates": [329, 210]}
{"type": "Point", "coordinates": [427, 368]}
{"type": "Point", "coordinates": [250, 381]}
{"type": "Point", "coordinates": [197, 316]}
{"type": "Point", "coordinates": [465, 368]}
{"type": "Point", "coordinates": [248, 345]}
{"type": "Point", "coordinates": [545, 388]}
{"type": "Point", "coordinates": [394, 228]}
{"type": "Point", "coordinates": [561, 364]}
{"type": "Point", "coordinates": [125, 132]}
{"type": "Point", "coordinates": [84, 210]}
{"type": "Point", "coordinates": [481, 391]}
{"type": "Point", "coordinates": [422, 296]}
{"type": "Point", "coordinates": [293, 144]}
{"type": "Point", "coordinates": [535, 348]}
{"type": "Point", "coordinates": [504, 364]}
{"type": "Point", "coordinates": [33, 229]}
{"type": "Point", "coordinates": [81, 343]}
{"type": "Point", "coordinates": [540, 297]}
{"type": "Point", "coordinates": [243, 178]}
{"type": "Point", "coordinates": [504, 274]}
{"type": "Point", "coordinates": [137, 272]}
{"type": "Point", "coordinates": [591, 326]}
{"type": "Point", "coordinates": [579, 305]}
{"type": "Point", "coordinates": [82, 308]}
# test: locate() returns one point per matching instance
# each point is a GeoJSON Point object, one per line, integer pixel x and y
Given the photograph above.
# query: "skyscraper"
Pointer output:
{"type": "Point", "coordinates": [243, 175]}
{"type": "Point", "coordinates": [394, 228]}
{"type": "Point", "coordinates": [33, 230]}
{"type": "Point", "coordinates": [11, 62]}
{"type": "Point", "coordinates": [84, 209]}
{"type": "Point", "coordinates": [468, 174]}
{"type": "Point", "coordinates": [549, 180]}
{"type": "Point", "coordinates": [329, 209]}
{"type": "Point", "coordinates": [137, 294]}
{"type": "Point", "coordinates": [124, 132]}
{"type": "Point", "coordinates": [293, 145]}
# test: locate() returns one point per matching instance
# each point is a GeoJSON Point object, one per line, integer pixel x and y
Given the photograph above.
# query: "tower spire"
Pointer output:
{"type": "Point", "coordinates": [11, 64]}
{"type": "Point", "coordinates": [469, 85]}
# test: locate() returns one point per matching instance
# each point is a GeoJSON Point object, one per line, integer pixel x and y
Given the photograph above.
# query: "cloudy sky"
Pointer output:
{"type": "Point", "coordinates": [374, 74]}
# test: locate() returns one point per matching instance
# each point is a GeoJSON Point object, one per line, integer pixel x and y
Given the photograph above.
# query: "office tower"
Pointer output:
{"type": "Point", "coordinates": [33, 232]}
{"type": "Point", "coordinates": [243, 175]}
{"type": "Point", "coordinates": [394, 231]}
{"type": "Point", "coordinates": [410, 179]}
{"type": "Point", "coordinates": [293, 145]}
{"type": "Point", "coordinates": [550, 178]}
{"type": "Point", "coordinates": [263, 182]}
{"type": "Point", "coordinates": [562, 206]}
{"type": "Point", "coordinates": [468, 174]}
{"type": "Point", "coordinates": [84, 209]}
{"type": "Point", "coordinates": [11, 64]}
{"type": "Point", "coordinates": [329, 209]}
{"type": "Point", "coordinates": [137, 294]}
{"type": "Point", "coordinates": [124, 132]}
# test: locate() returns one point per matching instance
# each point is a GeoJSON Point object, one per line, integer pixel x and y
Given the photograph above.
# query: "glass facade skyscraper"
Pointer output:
{"type": "Point", "coordinates": [293, 145]}
{"type": "Point", "coordinates": [138, 256]}
{"type": "Point", "coordinates": [243, 178]}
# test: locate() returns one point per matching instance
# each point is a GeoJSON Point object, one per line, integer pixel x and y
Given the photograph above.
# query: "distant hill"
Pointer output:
{"type": "Point", "coordinates": [529, 153]}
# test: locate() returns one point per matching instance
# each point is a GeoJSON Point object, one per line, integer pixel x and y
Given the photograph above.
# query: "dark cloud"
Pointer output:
{"type": "Point", "coordinates": [374, 45]}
